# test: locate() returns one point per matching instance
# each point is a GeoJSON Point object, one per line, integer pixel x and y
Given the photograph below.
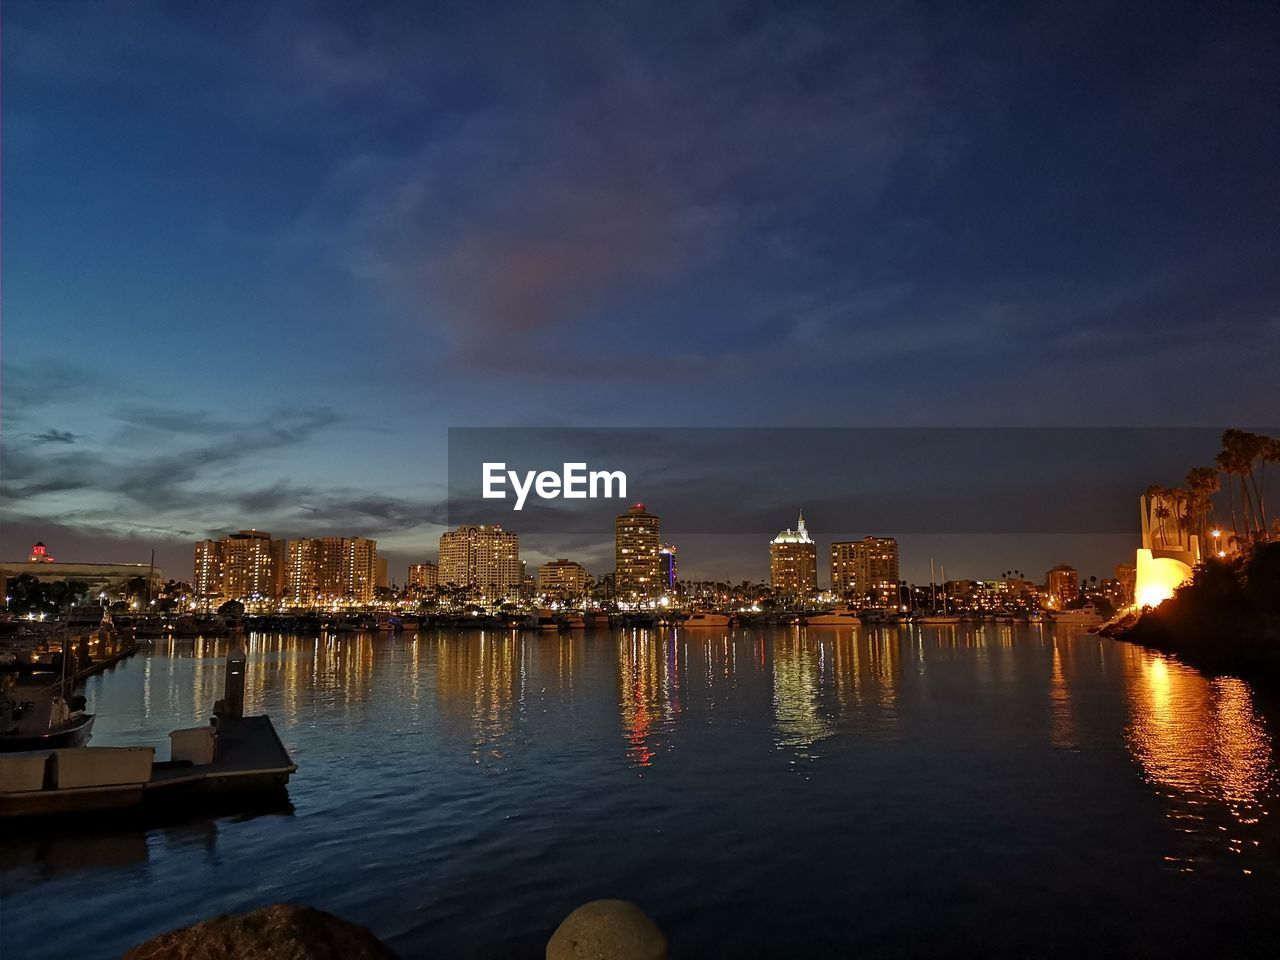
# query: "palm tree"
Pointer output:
{"type": "Point", "coordinates": [1203, 483]}
{"type": "Point", "coordinates": [1240, 450]}
{"type": "Point", "coordinates": [1270, 454]}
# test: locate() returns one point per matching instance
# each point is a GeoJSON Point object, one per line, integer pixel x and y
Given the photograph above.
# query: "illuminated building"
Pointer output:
{"type": "Point", "coordinates": [299, 571]}
{"type": "Point", "coordinates": [793, 562]}
{"type": "Point", "coordinates": [207, 581]}
{"type": "Point", "coordinates": [563, 578]}
{"type": "Point", "coordinates": [866, 567]}
{"type": "Point", "coordinates": [424, 576]}
{"type": "Point", "coordinates": [1061, 586]}
{"type": "Point", "coordinates": [1168, 553]}
{"type": "Point", "coordinates": [667, 568]}
{"type": "Point", "coordinates": [348, 569]}
{"type": "Point", "coordinates": [248, 566]}
{"type": "Point", "coordinates": [636, 542]}
{"type": "Point", "coordinates": [99, 577]}
{"type": "Point", "coordinates": [483, 558]}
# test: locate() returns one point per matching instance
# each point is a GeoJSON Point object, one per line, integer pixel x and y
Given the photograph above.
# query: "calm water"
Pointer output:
{"type": "Point", "coordinates": [986, 791]}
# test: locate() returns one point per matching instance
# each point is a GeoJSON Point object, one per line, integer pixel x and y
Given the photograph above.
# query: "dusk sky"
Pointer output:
{"type": "Point", "coordinates": [258, 258]}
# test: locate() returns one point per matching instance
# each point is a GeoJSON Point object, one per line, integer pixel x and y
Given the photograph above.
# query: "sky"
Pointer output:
{"type": "Point", "coordinates": [258, 259]}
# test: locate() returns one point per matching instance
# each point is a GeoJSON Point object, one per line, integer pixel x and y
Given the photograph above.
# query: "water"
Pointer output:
{"type": "Point", "coordinates": [995, 791]}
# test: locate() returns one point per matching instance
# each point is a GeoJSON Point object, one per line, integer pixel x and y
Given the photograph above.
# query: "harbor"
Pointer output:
{"type": "Point", "coordinates": [440, 769]}
{"type": "Point", "coordinates": [47, 772]}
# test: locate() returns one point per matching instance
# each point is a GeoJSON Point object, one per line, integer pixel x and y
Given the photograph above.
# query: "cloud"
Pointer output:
{"type": "Point", "coordinates": [605, 164]}
{"type": "Point", "coordinates": [55, 436]}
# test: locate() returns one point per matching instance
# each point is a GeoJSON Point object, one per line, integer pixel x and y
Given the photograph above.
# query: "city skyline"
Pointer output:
{"type": "Point", "coordinates": [257, 267]}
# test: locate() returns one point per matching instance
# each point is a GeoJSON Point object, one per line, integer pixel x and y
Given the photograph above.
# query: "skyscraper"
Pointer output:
{"type": "Point", "coordinates": [482, 557]}
{"type": "Point", "coordinates": [636, 542]}
{"type": "Point", "coordinates": [667, 568]}
{"type": "Point", "coordinates": [865, 569]}
{"type": "Point", "coordinates": [248, 566]}
{"type": "Point", "coordinates": [793, 562]}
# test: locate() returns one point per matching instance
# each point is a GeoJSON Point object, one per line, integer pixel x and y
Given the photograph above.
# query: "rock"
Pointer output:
{"type": "Point", "coordinates": [607, 930]}
{"type": "Point", "coordinates": [280, 932]}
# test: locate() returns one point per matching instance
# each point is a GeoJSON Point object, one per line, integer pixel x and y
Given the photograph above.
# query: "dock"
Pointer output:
{"type": "Point", "coordinates": [233, 759]}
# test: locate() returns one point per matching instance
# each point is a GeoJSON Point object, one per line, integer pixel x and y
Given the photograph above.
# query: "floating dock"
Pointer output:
{"type": "Point", "coordinates": [245, 759]}
{"type": "Point", "coordinates": [233, 758]}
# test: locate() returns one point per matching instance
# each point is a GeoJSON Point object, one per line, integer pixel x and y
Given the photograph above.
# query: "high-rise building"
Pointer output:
{"type": "Point", "coordinates": [1061, 586]}
{"type": "Point", "coordinates": [207, 580]}
{"type": "Point", "coordinates": [299, 572]}
{"type": "Point", "coordinates": [667, 568]}
{"type": "Point", "coordinates": [248, 566]}
{"type": "Point", "coordinates": [348, 569]}
{"type": "Point", "coordinates": [423, 576]}
{"type": "Point", "coordinates": [563, 578]}
{"type": "Point", "coordinates": [866, 569]}
{"type": "Point", "coordinates": [636, 542]}
{"type": "Point", "coordinates": [481, 557]}
{"type": "Point", "coordinates": [793, 562]}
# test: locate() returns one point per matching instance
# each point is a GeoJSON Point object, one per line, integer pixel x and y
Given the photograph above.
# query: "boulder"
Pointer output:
{"type": "Point", "coordinates": [280, 932]}
{"type": "Point", "coordinates": [607, 930]}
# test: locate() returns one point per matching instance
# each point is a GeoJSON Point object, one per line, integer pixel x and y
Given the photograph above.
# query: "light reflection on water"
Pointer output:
{"type": "Point", "coordinates": [1008, 770]}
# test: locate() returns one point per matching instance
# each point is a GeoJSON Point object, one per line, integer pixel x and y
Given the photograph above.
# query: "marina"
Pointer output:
{"type": "Point", "coordinates": [795, 769]}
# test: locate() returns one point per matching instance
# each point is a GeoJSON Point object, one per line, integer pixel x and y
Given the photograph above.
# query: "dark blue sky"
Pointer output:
{"type": "Point", "coordinates": [259, 257]}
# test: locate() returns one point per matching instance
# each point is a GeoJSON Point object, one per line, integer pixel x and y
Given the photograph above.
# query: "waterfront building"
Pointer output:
{"type": "Point", "coordinates": [1061, 586]}
{"type": "Point", "coordinates": [99, 577]}
{"type": "Point", "coordinates": [248, 566]}
{"type": "Point", "coordinates": [299, 571]}
{"type": "Point", "coordinates": [667, 568]}
{"type": "Point", "coordinates": [1169, 551]}
{"type": "Point", "coordinates": [636, 543]}
{"type": "Point", "coordinates": [207, 581]}
{"type": "Point", "coordinates": [423, 576]}
{"type": "Point", "coordinates": [481, 557]}
{"type": "Point", "coordinates": [793, 562]}
{"type": "Point", "coordinates": [564, 579]}
{"type": "Point", "coordinates": [348, 569]}
{"type": "Point", "coordinates": [866, 569]}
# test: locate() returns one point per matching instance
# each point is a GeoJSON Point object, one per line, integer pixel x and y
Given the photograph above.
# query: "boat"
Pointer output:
{"type": "Point", "coordinates": [841, 616]}
{"type": "Point", "coordinates": [575, 621]}
{"type": "Point", "coordinates": [1087, 615]}
{"type": "Point", "coordinates": [934, 617]}
{"type": "Point", "coordinates": [547, 621]}
{"type": "Point", "coordinates": [42, 718]}
{"type": "Point", "coordinates": [703, 618]}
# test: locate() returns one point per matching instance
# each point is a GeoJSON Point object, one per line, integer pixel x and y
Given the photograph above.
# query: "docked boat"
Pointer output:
{"type": "Point", "coordinates": [841, 616]}
{"type": "Point", "coordinates": [42, 718]}
{"type": "Point", "coordinates": [704, 618]}
{"type": "Point", "coordinates": [547, 621]}
{"type": "Point", "coordinates": [1087, 615]}
{"type": "Point", "coordinates": [575, 621]}
{"type": "Point", "coordinates": [935, 619]}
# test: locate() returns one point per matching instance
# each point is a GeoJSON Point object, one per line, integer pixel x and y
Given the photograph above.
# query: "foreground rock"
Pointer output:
{"type": "Point", "coordinates": [607, 930]}
{"type": "Point", "coordinates": [280, 932]}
